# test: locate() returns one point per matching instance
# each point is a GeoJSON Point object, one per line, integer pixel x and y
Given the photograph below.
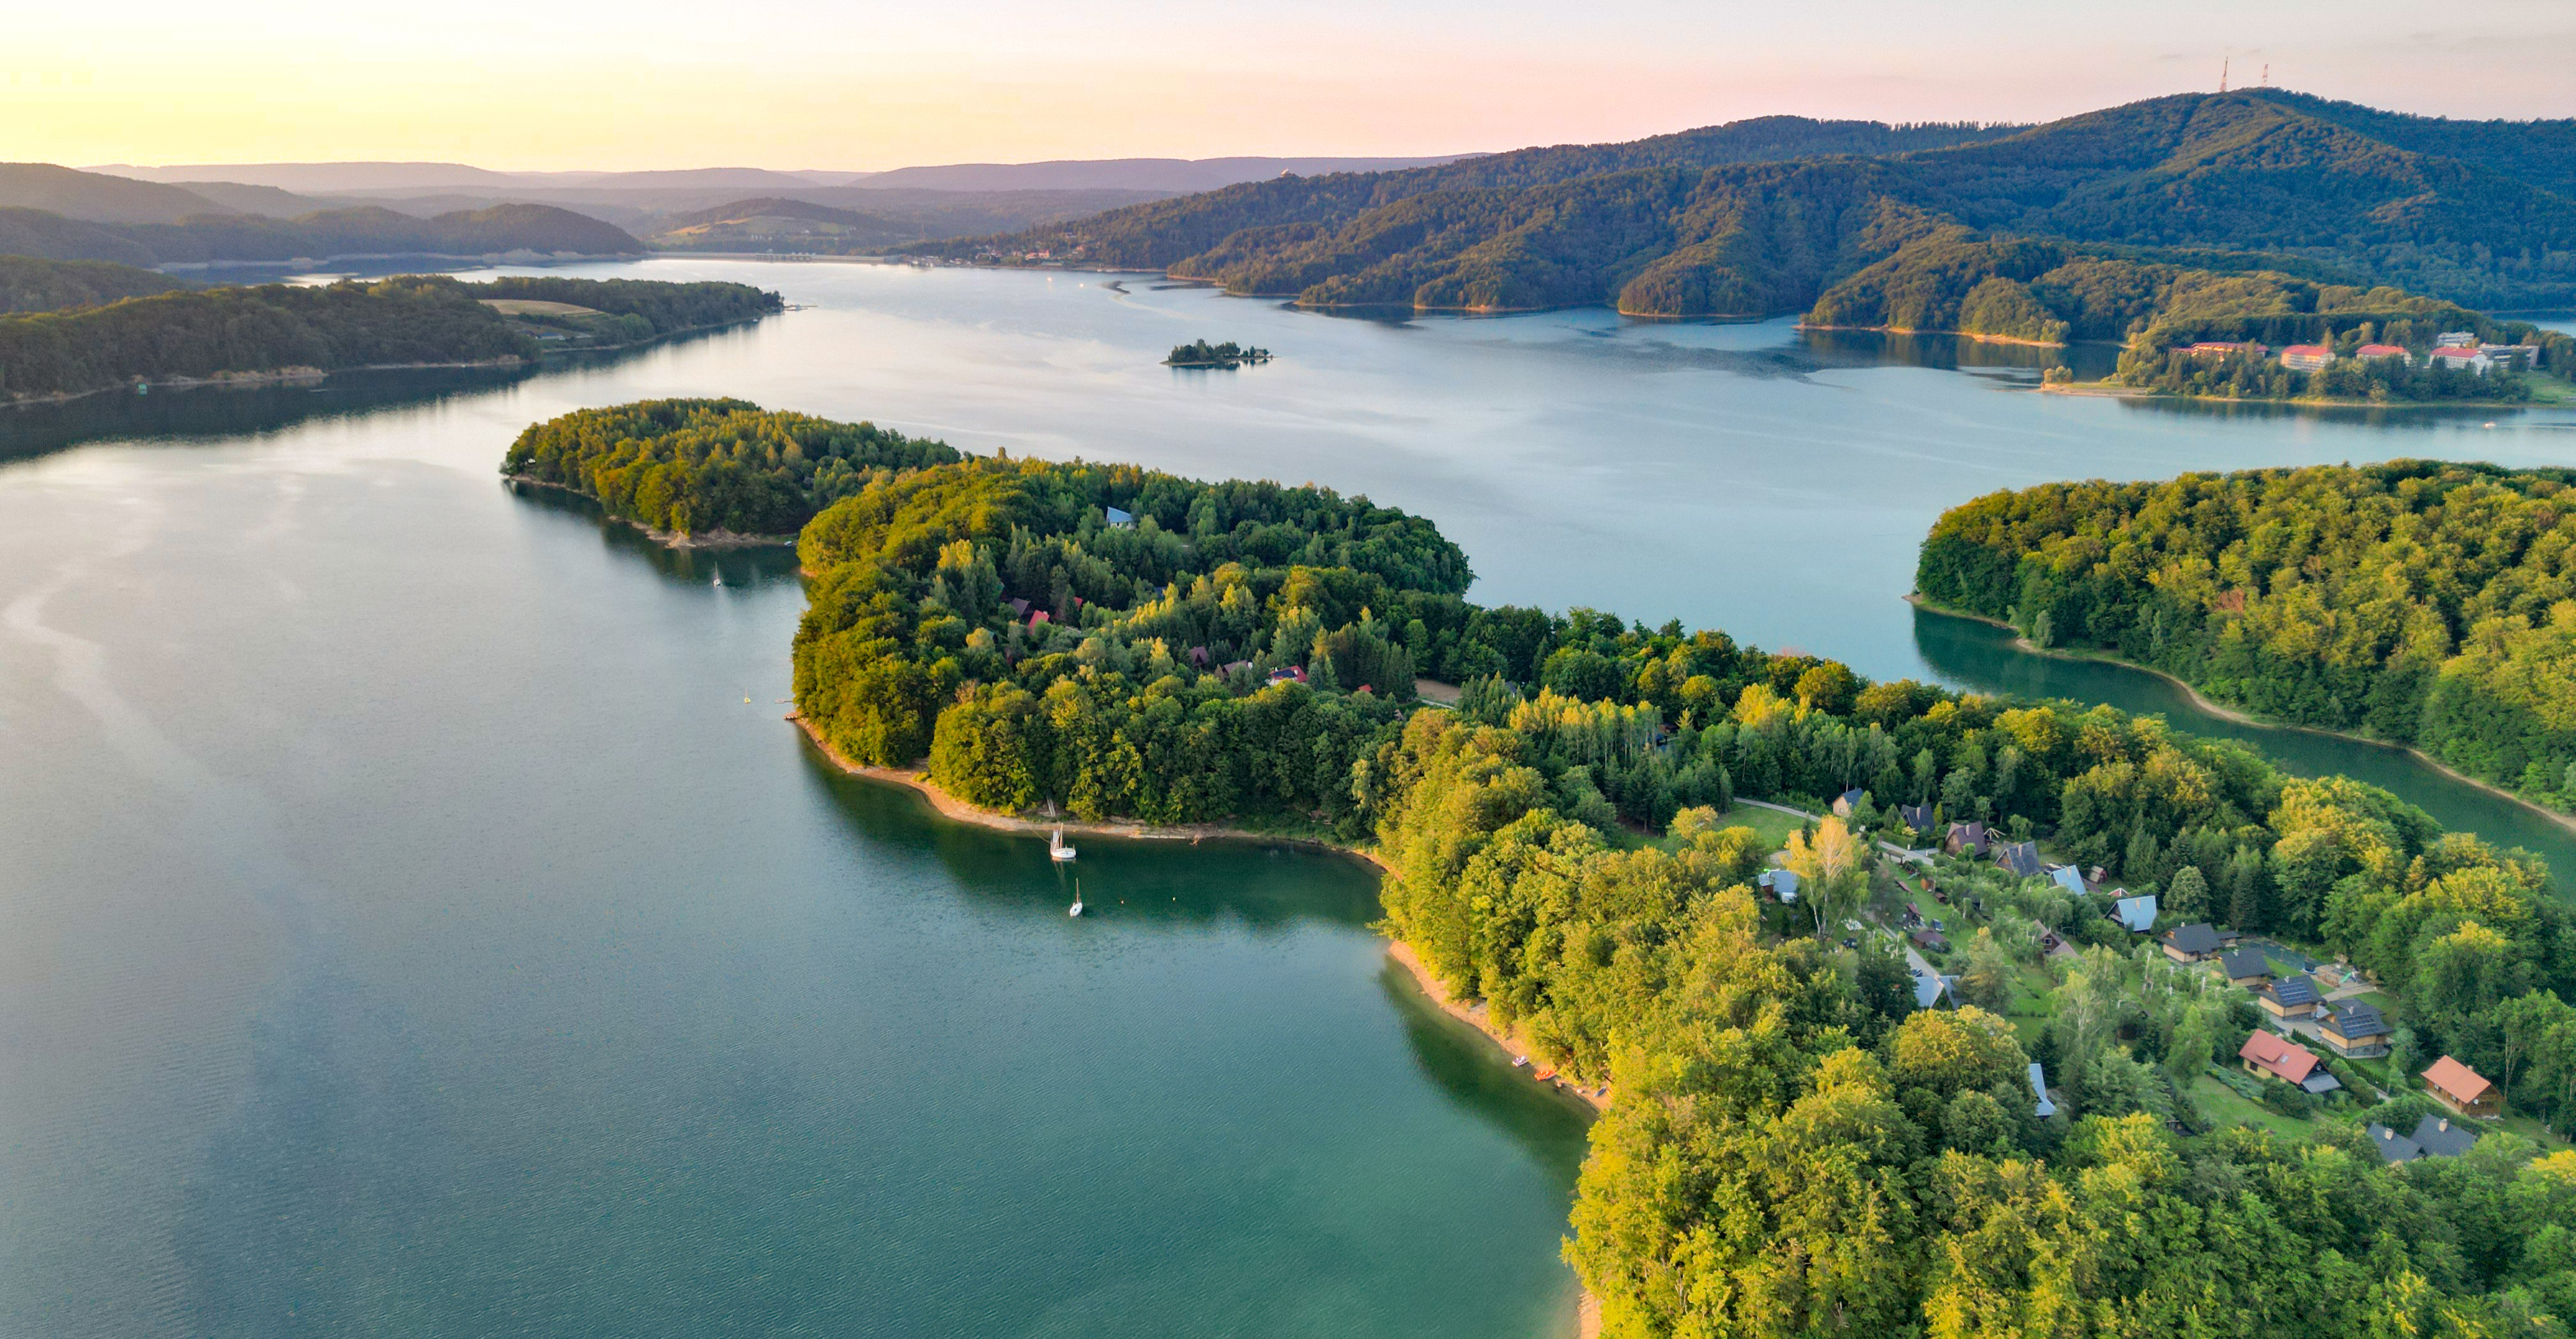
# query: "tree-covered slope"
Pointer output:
{"type": "Point", "coordinates": [2229, 172]}
{"type": "Point", "coordinates": [366, 231]}
{"type": "Point", "coordinates": [31, 285]}
{"type": "Point", "coordinates": [1793, 1147]}
{"type": "Point", "coordinates": [217, 332]}
{"type": "Point", "coordinates": [98, 198]}
{"type": "Point", "coordinates": [696, 467]}
{"type": "Point", "coordinates": [2426, 603]}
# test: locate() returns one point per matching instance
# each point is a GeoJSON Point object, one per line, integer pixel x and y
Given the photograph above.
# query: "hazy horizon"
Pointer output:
{"type": "Point", "coordinates": [798, 86]}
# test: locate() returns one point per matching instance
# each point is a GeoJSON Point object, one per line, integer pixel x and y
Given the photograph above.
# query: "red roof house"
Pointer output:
{"type": "Point", "coordinates": [2460, 1088]}
{"type": "Point", "coordinates": [2306, 357]}
{"type": "Point", "coordinates": [2277, 1058]}
{"type": "Point", "coordinates": [2369, 351]}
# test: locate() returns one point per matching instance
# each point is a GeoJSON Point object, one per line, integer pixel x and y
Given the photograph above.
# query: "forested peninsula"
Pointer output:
{"type": "Point", "coordinates": [2419, 602]}
{"type": "Point", "coordinates": [233, 333]}
{"type": "Point", "coordinates": [1795, 1147]}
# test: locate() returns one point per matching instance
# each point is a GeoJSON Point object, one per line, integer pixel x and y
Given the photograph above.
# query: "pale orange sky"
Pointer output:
{"type": "Point", "coordinates": [655, 84]}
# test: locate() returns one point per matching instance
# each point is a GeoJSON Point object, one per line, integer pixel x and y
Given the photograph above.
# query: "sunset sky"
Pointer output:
{"type": "Point", "coordinates": [805, 84]}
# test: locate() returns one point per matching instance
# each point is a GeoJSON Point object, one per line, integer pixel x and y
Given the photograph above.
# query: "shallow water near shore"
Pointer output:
{"type": "Point", "coordinates": [407, 925]}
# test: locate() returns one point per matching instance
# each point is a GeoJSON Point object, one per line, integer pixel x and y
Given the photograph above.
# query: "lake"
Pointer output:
{"type": "Point", "coordinates": [406, 922]}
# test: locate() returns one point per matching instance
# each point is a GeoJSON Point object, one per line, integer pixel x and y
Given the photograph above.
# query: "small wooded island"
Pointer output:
{"type": "Point", "coordinates": [1203, 354]}
{"type": "Point", "coordinates": [2071, 1113]}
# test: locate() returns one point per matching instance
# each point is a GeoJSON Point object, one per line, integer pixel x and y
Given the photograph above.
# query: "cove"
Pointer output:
{"type": "Point", "coordinates": [407, 924]}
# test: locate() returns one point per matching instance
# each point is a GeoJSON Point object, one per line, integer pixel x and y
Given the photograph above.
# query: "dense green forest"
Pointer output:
{"type": "Point", "coordinates": [31, 285]}
{"type": "Point", "coordinates": [364, 231]}
{"type": "Point", "coordinates": [1701, 224]}
{"type": "Point", "coordinates": [2426, 603]}
{"type": "Point", "coordinates": [414, 319]}
{"type": "Point", "coordinates": [1793, 1148]}
{"type": "Point", "coordinates": [2019, 288]}
{"type": "Point", "coordinates": [695, 467]}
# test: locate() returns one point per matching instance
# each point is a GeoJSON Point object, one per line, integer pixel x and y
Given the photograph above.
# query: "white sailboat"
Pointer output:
{"type": "Point", "coordinates": [1077, 899]}
{"type": "Point", "coordinates": [1056, 849]}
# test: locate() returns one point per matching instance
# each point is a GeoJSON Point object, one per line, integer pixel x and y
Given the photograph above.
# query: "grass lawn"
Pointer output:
{"type": "Point", "coordinates": [2222, 1104]}
{"type": "Point", "coordinates": [1772, 826]}
{"type": "Point", "coordinates": [2031, 1003]}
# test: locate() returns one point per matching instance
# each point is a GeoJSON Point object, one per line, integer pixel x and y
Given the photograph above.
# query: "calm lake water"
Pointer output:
{"type": "Point", "coordinates": [406, 925]}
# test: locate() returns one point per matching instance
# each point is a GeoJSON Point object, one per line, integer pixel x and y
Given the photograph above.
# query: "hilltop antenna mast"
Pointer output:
{"type": "Point", "coordinates": [2267, 74]}
{"type": "Point", "coordinates": [2222, 74]}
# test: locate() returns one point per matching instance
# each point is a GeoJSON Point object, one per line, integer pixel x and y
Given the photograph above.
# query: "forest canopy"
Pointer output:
{"type": "Point", "coordinates": [695, 467]}
{"type": "Point", "coordinates": [216, 332]}
{"type": "Point", "coordinates": [2420, 602]}
{"type": "Point", "coordinates": [31, 285]}
{"type": "Point", "coordinates": [1794, 1148]}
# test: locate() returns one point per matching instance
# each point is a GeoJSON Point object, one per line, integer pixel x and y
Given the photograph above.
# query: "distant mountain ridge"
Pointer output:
{"type": "Point", "coordinates": [1759, 217]}
{"type": "Point", "coordinates": [202, 239]}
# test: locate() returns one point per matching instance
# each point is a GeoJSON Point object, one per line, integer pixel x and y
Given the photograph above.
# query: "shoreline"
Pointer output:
{"type": "Point", "coordinates": [276, 376]}
{"type": "Point", "coordinates": [2234, 716]}
{"type": "Point", "coordinates": [669, 539]}
{"type": "Point", "coordinates": [1955, 334]}
{"type": "Point", "coordinates": [2101, 390]}
{"type": "Point", "coordinates": [1587, 1307]}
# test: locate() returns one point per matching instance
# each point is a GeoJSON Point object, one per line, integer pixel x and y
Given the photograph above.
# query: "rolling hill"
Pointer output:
{"type": "Point", "coordinates": [96, 198]}
{"type": "Point", "coordinates": [1759, 217]}
{"type": "Point", "coordinates": [365, 231]}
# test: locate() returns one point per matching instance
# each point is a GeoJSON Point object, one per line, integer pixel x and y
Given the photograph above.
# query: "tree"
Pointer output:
{"type": "Point", "coordinates": [2188, 894]}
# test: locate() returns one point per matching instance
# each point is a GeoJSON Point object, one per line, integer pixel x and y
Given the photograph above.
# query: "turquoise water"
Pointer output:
{"type": "Point", "coordinates": [406, 925]}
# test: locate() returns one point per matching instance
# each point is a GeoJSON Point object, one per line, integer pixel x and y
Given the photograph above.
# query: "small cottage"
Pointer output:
{"type": "Point", "coordinates": [2196, 942]}
{"type": "Point", "coordinates": [2275, 1057]}
{"type": "Point", "coordinates": [2246, 967]}
{"type": "Point", "coordinates": [1915, 816]}
{"type": "Point", "coordinates": [2351, 1028]}
{"type": "Point", "coordinates": [2137, 913]}
{"type": "Point", "coordinates": [1780, 883]}
{"type": "Point", "coordinates": [2291, 997]}
{"type": "Point", "coordinates": [1965, 839]}
{"type": "Point", "coordinates": [2019, 859]}
{"type": "Point", "coordinates": [1118, 520]}
{"type": "Point", "coordinates": [1848, 801]}
{"type": "Point", "coordinates": [2463, 1089]}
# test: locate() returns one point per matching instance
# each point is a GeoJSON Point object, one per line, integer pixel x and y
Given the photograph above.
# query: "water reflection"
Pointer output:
{"type": "Point", "coordinates": [1877, 348]}
{"type": "Point", "coordinates": [1260, 885]}
{"type": "Point", "coordinates": [219, 412]}
{"type": "Point", "coordinates": [1548, 1123]}
{"type": "Point", "coordinates": [735, 567]}
{"type": "Point", "coordinates": [209, 412]}
{"type": "Point", "coordinates": [1978, 655]}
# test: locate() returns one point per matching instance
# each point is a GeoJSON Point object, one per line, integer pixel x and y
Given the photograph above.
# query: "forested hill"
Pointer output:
{"type": "Point", "coordinates": [250, 331]}
{"type": "Point", "coordinates": [366, 231]}
{"type": "Point", "coordinates": [28, 285]}
{"type": "Point", "coordinates": [2425, 603]}
{"type": "Point", "coordinates": [1701, 224]}
{"type": "Point", "coordinates": [1794, 1148]}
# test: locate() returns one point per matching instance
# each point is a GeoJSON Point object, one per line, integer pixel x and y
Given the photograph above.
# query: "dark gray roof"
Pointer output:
{"type": "Point", "coordinates": [2353, 1019]}
{"type": "Point", "coordinates": [2392, 1146]}
{"type": "Point", "coordinates": [2295, 990]}
{"type": "Point", "coordinates": [1916, 816]}
{"type": "Point", "coordinates": [2021, 858]}
{"type": "Point", "coordinates": [2245, 962]}
{"type": "Point", "coordinates": [2193, 938]}
{"type": "Point", "coordinates": [2440, 1137]}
